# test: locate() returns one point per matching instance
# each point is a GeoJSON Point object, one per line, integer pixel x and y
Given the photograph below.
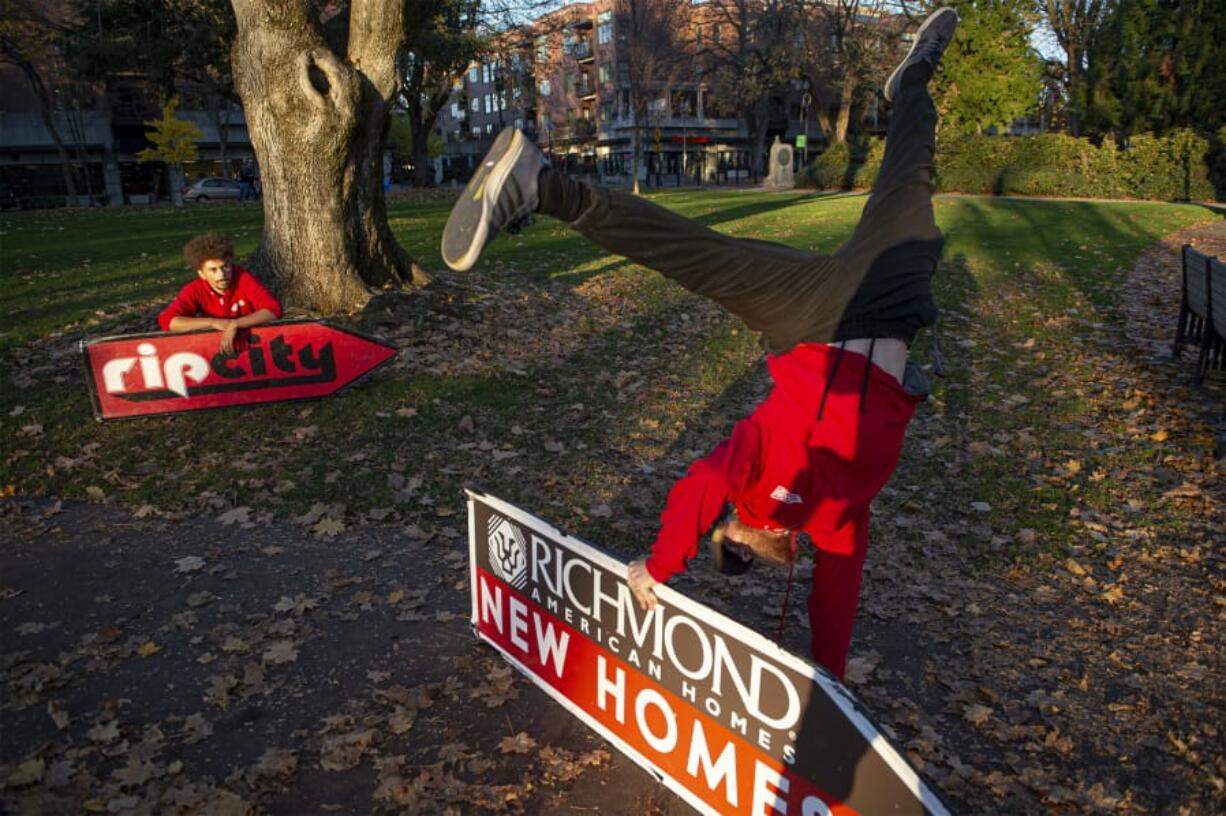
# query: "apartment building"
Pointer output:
{"type": "Point", "coordinates": [102, 130]}
{"type": "Point", "coordinates": [564, 79]}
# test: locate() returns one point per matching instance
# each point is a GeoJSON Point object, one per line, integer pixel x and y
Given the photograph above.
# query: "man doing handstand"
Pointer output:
{"type": "Point", "coordinates": [836, 329]}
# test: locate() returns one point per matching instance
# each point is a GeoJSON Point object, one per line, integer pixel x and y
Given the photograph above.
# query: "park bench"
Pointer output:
{"type": "Point", "coordinates": [1213, 344]}
{"type": "Point", "coordinates": [1193, 325]}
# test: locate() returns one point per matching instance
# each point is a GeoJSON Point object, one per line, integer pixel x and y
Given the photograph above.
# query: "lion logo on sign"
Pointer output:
{"type": "Point", "coordinates": [508, 552]}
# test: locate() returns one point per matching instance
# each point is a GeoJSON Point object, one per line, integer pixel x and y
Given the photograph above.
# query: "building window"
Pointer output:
{"type": "Point", "coordinates": [603, 72]}
{"type": "Point", "coordinates": [715, 30]}
{"type": "Point", "coordinates": [475, 106]}
{"type": "Point", "coordinates": [486, 100]}
{"type": "Point", "coordinates": [477, 131]}
{"type": "Point", "coordinates": [544, 87]}
{"type": "Point", "coordinates": [542, 48]}
{"type": "Point", "coordinates": [568, 41]}
{"type": "Point", "coordinates": [455, 110]}
{"type": "Point", "coordinates": [606, 111]}
{"type": "Point", "coordinates": [519, 123]}
{"type": "Point", "coordinates": [485, 72]}
{"type": "Point", "coordinates": [623, 73]}
{"type": "Point", "coordinates": [604, 27]}
{"type": "Point", "coordinates": [569, 83]}
{"type": "Point", "coordinates": [489, 128]}
{"type": "Point", "coordinates": [473, 75]}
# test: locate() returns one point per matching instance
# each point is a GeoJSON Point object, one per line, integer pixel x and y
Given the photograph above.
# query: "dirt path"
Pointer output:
{"type": "Point", "coordinates": [152, 665]}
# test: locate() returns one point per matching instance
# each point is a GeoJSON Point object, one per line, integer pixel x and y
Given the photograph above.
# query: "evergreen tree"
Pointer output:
{"type": "Point", "coordinates": [1157, 65]}
{"type": "Point", "coordinates": [990, 75]}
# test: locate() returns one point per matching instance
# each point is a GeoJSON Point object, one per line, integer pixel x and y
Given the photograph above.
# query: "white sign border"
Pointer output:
{"type": "Point", "coordinates": [837, 693]}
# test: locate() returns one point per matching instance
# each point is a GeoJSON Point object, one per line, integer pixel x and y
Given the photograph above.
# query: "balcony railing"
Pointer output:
{"type": "Point", "coordinates": [583, 51]}
{"type": "Point", "coordinates": [677, 122]}
{"type": "Point", "coordinates": [582, 129]}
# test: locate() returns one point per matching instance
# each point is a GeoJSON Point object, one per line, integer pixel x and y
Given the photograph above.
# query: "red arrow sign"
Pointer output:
{"type": "Point", "coordinates": [143, 374]}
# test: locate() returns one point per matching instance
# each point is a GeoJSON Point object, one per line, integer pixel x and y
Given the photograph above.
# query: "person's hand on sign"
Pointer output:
{"type": "Point", "coordinates": [641, 582]}
{"type": "Point", "coordinates": [229, 330]}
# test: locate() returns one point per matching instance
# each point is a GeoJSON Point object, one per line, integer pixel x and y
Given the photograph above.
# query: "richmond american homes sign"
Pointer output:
{"type": "Point", "coordinates": [723, 717]}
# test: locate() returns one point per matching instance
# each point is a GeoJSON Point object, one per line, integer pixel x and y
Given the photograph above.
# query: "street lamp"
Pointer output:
{"type": "Point", "coordinates": [805, 101]}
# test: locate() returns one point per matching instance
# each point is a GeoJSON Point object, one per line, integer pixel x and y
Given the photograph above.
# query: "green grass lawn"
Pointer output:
{"type": "Point", "coordinates": [600, 381]}
{"type": "Point", "coordinates": [1036, 625]}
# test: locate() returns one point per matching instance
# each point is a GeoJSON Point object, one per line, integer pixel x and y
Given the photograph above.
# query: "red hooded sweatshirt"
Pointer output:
{"type": "Point", "coordinates": [245, 295]}
{"type": "Point", "coordinates": [794, 463]}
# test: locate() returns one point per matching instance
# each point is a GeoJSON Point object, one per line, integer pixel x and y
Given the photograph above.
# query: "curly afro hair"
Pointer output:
{"type": "Point", "coordinates": [207, 247]}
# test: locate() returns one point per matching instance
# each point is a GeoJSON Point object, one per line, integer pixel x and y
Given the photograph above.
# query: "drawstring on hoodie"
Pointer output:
{"type": "Point", "coordinates": [787, 591]}
{"type": "Point", "coordinates": [834, 369]}
{"type": "Point", "coordinates": [872, 344]}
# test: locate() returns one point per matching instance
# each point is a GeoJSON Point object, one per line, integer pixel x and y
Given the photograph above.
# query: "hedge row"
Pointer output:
{"type": "Point", "coordinates": [1182, 165]}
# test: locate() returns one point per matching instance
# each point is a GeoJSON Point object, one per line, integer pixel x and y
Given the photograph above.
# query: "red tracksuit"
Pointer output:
{"type": "Point", "coordinates": [245, 295]}
{"type": "Point", "coordinates": [787, 468]}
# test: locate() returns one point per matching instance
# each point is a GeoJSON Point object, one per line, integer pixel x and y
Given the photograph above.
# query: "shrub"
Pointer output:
{"type": "Point", "coordinates": [847, 166]}
{"type": "Point", "coordinates": [1181, 165]}
{"type": "Point", "coordinates": [1217, 162]}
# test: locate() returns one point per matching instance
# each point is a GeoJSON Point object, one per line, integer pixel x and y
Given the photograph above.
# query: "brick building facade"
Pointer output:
{"type": "Point", "coordinates": [564, 80]}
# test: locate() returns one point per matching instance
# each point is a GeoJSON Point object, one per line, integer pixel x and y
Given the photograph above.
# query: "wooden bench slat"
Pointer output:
{"type": "Point", "coordinates": [1196, 268]}
{"type": "Point", "coordinates": [1217, 288]}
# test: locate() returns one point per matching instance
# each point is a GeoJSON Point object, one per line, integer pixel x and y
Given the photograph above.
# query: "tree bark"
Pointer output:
{"type": "Point", "coordinates": [174, 180]}
{"type": "Point", "coordinates": [47, 111]}
{"type": "Point", "coordinates": [318, 123]}
{"type": "Point", "coordinates": [847, 92]}
{"type": "Point", "coordinates": [637, 158]}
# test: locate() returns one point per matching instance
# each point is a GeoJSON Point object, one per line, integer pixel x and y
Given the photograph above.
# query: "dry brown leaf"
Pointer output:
{"type": "Point", "coordinates": [26, 773]}
{"type": "Point", "coordinates": [328, 526]}
{"type": "Point", "coordinates": [280, 651]}
{"type": "Point", "coordinates": [344, 751]}
{"type": "Point", "coordinates": [104, 732]}
{"type": "Point", "coordinates": [275, 762]}
{"type": "Point", "coordinates": [521, 743]}
{"type": "Point", "coordinates": [55, 710]}
{"type": "Point", "coordinates": [976, 714]}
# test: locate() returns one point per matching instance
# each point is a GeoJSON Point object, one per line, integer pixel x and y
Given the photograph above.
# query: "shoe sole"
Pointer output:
{"type": "Point", "coordinates": [468, 225]}
{"type": "Point", "coordinates": [919, 35]}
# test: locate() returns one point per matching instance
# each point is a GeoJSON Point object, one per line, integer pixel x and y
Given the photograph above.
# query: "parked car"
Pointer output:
{"type": "Point", "coordinates": [213, 189]}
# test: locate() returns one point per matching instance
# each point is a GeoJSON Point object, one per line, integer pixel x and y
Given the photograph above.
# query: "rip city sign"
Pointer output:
{"type": "Point", "coordinates": [723, 717]}
{"type": "Point", "coordinates": [138, 375]}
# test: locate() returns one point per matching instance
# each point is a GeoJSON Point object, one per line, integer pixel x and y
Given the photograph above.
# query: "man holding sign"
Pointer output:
{"type": "Point", "coordinates": [224, 297]}
{"type": "Point", "coordinates": [836, 328]}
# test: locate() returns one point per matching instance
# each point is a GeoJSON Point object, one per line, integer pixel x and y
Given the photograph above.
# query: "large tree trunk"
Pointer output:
{"type": "Point", "coordinates": [847, 94]}
{"type": "Point", "coordinates": [46, 110]}
{"type": "Point", "coordinates": [220, 114]}
{"type": "Point", "coordinates": [420, 124]}
{"type": "Point", "coordinates": [174, 181]}
{"type": "Point", "coordinates": [758, 122]}
{"type": "Point", "coordinates": [636, 160]}
{"type": "Point", "coordinates": [318, 124]}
